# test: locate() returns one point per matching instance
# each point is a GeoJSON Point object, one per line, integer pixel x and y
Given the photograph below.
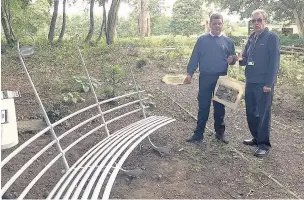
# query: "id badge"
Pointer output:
{"type": "Point", "coordinates": [251, 63]}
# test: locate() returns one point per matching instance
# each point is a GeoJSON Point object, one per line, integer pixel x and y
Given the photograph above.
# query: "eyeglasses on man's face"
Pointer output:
{"type": "Point", "coordinates": [258, 20]}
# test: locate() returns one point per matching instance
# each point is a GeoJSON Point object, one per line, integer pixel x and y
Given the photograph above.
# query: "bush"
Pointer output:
{"type": "Point", "coordinates": [238, 40]}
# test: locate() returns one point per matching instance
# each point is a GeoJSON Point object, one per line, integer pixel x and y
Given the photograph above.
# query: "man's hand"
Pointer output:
{"type": "Point", "coordinates": [230, 59]}
{"type": "Point", "coordinates": [240, 57]}
{"type": "Point", "coordinates": [266, 89]}
{"type": "Point", "coordinates": [187, 79]}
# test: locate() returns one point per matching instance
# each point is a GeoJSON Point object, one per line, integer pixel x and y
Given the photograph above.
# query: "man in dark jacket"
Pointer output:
{"type": "Point", "coordinates": [261, 58]}
{"type": "Point", "coordinates": [212, 53]}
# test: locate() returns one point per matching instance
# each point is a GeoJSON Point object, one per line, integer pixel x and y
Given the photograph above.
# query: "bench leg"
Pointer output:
{"type": "Point", "coordinates": [161, 150]}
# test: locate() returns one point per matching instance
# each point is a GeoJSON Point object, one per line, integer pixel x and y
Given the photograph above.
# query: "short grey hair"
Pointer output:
{"type": "Point", "coordinates": [262, 12]}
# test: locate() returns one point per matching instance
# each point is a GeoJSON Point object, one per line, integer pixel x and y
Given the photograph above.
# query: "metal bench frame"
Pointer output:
{"type": "Point", "coordinates": [99, 166]}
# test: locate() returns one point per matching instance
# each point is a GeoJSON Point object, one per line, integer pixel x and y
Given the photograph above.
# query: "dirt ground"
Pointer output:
{"type": "Point", "coordinates": [210, 170]}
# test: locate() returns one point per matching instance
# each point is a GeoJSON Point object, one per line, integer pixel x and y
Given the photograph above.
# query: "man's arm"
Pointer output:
{"type": "Point", "coordinates": [273, 46]}
{"type": "Point", "coordinates": [232, 57]}
{"type": "Point", "coordinates": [243, 59]}
{"type": "Point", "coordinates": [194, 59]}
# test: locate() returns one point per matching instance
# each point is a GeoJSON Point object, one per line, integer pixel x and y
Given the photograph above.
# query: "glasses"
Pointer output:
{"type": "Point", "coordinates": [258, 20]}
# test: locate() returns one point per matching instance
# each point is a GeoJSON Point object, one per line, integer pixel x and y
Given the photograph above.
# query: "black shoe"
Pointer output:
{"type": "Point", "coordinates": [261, 152]}
{"type": "Point", "coordinates": [196, 138]}
{"type": "Point", "coordinates": [250, 142]}
{"type": "Point", "coordinates": [222, 137]}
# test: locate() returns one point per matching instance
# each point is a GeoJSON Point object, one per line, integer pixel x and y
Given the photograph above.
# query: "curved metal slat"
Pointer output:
{"type": "Point", "coordinates": [82, 137]}
{"type": "Point", "coordinates": [74, 114]}
{"type": "Point", "coordinates": [100, 158]}
{"type": "Point", "coordinates": [115, 153]}
{"type": "Point", "coordinates": [77, 126]}
{"type": "Point", "coordinates": [15, 152]}
{"type": "Point", "coordinates": [122, 106]}
{"type": "Point", "coordinates": [108, 188]}
{"type": "Point", "coordinates": [21, 170]}
{"type": "Point", "coordinates": [80, 162]}
{"type": "Point", "coordinates": [119, 97]}
{"type": "Point", "coordinates": [124, 115]}
{"type": "Point", "coordinates": [32, 183]}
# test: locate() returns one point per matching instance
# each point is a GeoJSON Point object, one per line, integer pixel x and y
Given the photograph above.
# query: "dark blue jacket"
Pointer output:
{"type": "Point", "coordinates": [210, 53]}
{"type": "Point", "coordinates": [265, 53]}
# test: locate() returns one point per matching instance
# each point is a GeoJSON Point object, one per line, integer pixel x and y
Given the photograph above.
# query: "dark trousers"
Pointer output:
{"type": "Point", "coordinates": [258, 111]}
{"type": "Point", "coordinates": [207, 85]}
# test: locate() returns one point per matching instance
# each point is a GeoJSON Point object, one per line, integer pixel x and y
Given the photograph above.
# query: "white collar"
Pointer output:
{"type": "Point", "coordinates": [215, 35]}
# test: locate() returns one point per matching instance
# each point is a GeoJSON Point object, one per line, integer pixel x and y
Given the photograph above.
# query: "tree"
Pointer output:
{"type": "Point", "coordinates": [20, 17]}
{"type": "Point", "coordinates": [112, 20]}
{"type": "Point", "coordinates": [104, 20]}
{"type": "Point", "coordinates": [284, 10]}
{"type": "Point", "coordinates": [6, 22]}
{"type": "Point", "coordinates": [291, 10]}
{"type": "Point", "coordinates": [63, 21]}
{"type": "Point", "coordinates": [145, 10]}
{"type": "Point", "coordinates": [53, 21]}
{"type": "Point", "coordinates": [127, 27]}
{"type": "Point", "coordinates": [91, 30]}
{"type": "Point", "coordinates": [160, 24]}
{"type": "Point", "coordinates": [144, 19]}
{"type": "Point", "coordinates": [187, 17]}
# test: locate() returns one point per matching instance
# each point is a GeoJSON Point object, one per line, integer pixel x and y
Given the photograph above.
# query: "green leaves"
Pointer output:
{"type": "Point", "coordinates": [29, 18]}
{"type": "Point", "coordinates": [85, 84]}
{"type": "Point", "coordinates": [72, 97]}
{"type": "Point", "coordinates": [114, 77]}
{"type": "Point", "coordinates": [187, 17]}
{"type": "Point", "coordinates": [281, 10]}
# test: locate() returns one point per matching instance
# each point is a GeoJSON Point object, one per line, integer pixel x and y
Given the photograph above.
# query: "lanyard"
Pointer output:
{"type": "Point", "coordinates": [252, 47]}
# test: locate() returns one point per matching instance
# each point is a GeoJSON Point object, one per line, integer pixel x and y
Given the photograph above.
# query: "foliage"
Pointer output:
{"type": "Point", "coordinates": [284, 40]}
{"type": "Point", "coordinates": [283, 10]}
{"type": "Point", "coordinates": [127, 27]}
{"type": "Point", "coordinates": [72, 97]}
{"type": "Point", "coordinates": [238, 40]}
{"type": "Point", "coordinates": [156, 7]}
{"type": "Point", "coordinates": [85, 84]}
{"type": "Point", "coordinates": [292, 40]}
{"type": "Point", "coordinates": [114, 77]}
{"type": "Point", "coordinates": [28, 18]}
{"type": "Point", "coordinates": [56, 112]}
{"type": "Point", "coordinates": [187, 17]}
{"type": "Point", "coordinates": [141, 63]}
{"type": "Point", "coordinates": [160, 24]}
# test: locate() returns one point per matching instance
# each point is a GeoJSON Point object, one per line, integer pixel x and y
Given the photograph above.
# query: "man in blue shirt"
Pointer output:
{"type": "Point", "coordinates": [213, 52]}
{"type": "Point", "coordinates": [261, 58]}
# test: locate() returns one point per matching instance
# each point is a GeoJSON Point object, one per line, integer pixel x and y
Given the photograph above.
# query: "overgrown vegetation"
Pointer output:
{"type": "Point", "coordinates": [60, 70]}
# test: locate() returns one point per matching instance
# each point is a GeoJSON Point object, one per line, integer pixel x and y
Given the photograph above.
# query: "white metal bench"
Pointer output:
{"type": "Point", "coordinates": [93, 174]}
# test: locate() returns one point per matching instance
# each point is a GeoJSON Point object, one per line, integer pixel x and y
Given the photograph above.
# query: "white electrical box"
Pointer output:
{"type": "Point", "coordinates": [9, 133]}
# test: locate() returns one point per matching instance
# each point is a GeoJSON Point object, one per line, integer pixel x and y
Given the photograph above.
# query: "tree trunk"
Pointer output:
{"type": "Point", "coordinates": [299, 22]}
{"type": "Point", "coordinates": [5, 21]}
{"type": "Point", "coordinates": [91, 31]}
{"type": "Point", "coordinates": [63, 21]}
{"type": "Point", "coordinates": [53, 21]}
{"type": "Point", "coordinates": [104, 22]}
{"type": "Point", "coordinates": [6, 31]}
{"type": "Point", "coordinates": [112, 19]}
{"type": "Point", "coordinates": [144, 19]}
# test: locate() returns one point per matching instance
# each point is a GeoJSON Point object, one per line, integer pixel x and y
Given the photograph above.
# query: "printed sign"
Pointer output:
{"type": "Point", "coordinates": [4, 117]}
